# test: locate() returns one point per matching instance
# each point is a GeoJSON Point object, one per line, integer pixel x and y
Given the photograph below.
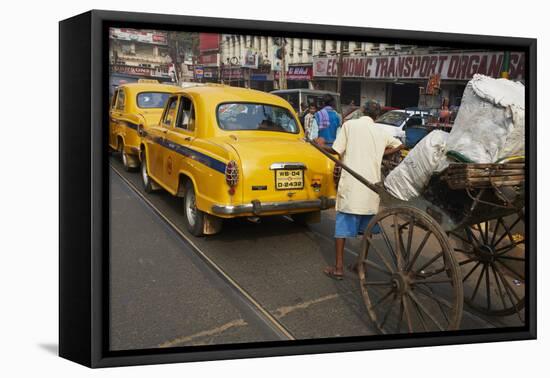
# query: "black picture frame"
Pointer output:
{"type": "Point", "coordinates": [84, 210]}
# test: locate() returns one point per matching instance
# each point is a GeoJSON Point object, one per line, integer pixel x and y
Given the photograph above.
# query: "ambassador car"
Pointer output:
{"type": "Point", "coordinates": [133, 107]}
{"type": "Point", "coordinates": [233, 152]}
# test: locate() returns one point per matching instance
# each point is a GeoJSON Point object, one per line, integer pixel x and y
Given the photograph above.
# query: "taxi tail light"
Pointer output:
{"type": "Point", "coordinates": [232, 174]}
{"type": "Point", "coordinates": [336, 173]}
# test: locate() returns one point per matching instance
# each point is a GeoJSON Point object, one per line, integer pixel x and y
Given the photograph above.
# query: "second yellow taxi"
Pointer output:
{"type": "Point", "coordinates": [134, 106]}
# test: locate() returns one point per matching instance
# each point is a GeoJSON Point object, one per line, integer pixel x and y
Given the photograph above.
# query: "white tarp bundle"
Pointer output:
{"type": "Point", "coordinates": [490, 124]}
{"type": "Point", "coordinates": [410, 177]}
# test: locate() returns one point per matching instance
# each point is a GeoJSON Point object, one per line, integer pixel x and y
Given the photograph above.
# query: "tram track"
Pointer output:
{"type": "Point", "coordinates": [253, 306]}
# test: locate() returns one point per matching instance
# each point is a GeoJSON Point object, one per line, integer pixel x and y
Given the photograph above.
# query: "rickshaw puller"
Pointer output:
{"type": "Point", "coordinates": [361, 146]}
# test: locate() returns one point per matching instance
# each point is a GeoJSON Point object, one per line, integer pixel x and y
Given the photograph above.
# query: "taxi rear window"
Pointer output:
{"type": "Point", "coordinates": [149, 100]}
{"type": "Point", "coordinates": [252, 116]}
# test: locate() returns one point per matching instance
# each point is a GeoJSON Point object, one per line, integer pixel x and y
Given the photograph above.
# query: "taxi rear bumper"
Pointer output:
{"type": "Point", "coordinates": [258, 208]}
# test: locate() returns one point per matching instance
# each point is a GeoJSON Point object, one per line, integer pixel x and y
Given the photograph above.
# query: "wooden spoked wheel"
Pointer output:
{"type": "Point", "coordinates": [492, 257]}
{"type": "Point", "coordinates": [410, 279]}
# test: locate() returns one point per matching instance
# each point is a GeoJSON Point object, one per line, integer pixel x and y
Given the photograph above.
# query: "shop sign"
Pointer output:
{"type": "Point", "coordinates": [131, 70]}
{"type": "Point", "coordinates": [137, 71]}
{"type": "Point", "coordinates": [144, 36]}
{"type": "Point", "coordinates": [262, 73]}
{"type": "Point", "coordinates": [299, 73]}
{"type": "Point", "coordinates": [235, 73]}
{"type": "Point", "coordinates": [209, 59]}
{"type": "Point", "coordinates": [211, 73]}
{"type": "Point", "coordinates": [450, 66]}
{"type": "Point", "coordinates": [261, 76]}
{"type": "Point", "coordinates": [199, 72]}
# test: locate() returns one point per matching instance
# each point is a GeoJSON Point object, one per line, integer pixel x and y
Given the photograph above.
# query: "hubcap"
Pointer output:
{"type": "Point", "coordinates": [190, 208]}
{"type": "Point", "coordinates": [122, 154]}
{"type": "Point", "coordinates": [144, 174]}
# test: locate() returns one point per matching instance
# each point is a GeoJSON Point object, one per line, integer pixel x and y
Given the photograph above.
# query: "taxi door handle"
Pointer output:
{"type": "Point", "coordinates": [187, 139]}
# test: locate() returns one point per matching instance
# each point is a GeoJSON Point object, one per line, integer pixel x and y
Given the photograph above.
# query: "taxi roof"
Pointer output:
{"type": "Point", "coordinates": [144, 87]}
{"type": "Point", "coordinates": [218, 93]}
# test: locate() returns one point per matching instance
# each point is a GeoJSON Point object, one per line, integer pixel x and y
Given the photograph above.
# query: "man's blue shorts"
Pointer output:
{"type": "Point", "coordinates": [351, 225]}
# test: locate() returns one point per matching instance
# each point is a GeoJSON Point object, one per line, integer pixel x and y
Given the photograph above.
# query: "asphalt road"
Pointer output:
{"type": "Point", "coordinates": [164, 294]}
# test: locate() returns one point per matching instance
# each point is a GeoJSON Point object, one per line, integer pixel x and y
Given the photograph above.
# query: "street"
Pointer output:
{"type": "Point", "coordinates": [252, 282]}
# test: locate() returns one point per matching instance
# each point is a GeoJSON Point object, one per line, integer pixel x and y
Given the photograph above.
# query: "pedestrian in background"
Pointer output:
{"type": "Point", "coordinates": [310, 124]}
{"type": "Point", "coordinates": [328, 121]}
{"type": "Point", "coordinates": [361, 146]}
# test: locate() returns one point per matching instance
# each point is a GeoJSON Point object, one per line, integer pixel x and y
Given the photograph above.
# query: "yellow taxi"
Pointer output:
{"type": "Point", "coordinates": [135, 106]}
{"type": "Point", "coordinates": [235, 152]}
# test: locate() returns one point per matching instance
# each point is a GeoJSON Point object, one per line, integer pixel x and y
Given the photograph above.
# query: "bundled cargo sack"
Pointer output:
{"type": "Point", "coordinates": [411, 176]}
{"type": "Point", "coordinates": [490, 123]}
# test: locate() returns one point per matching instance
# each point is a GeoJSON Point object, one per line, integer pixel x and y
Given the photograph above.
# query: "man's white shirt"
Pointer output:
{"type": "Point", "coordinates": [361, 146]}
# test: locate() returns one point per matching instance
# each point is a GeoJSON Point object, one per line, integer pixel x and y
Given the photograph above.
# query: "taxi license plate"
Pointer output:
{"type": "Point", "coordinates": [287, 179]}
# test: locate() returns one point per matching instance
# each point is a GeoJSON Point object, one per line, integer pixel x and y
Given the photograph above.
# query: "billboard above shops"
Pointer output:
{"type": "Point", "coordinates": [138, 71]}
{"type": "Point", "coordinates": [209, 59]}
{"type": "Point", "coordinates": [450, 66]}
{"type": "Point", "coordinates": [209, 42]}
{"type": "Point", "coordinates": [143, 36]}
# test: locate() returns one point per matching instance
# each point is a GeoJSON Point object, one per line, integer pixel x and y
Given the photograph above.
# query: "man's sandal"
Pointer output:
{"type": "Point", "coordinates": [331, 272]}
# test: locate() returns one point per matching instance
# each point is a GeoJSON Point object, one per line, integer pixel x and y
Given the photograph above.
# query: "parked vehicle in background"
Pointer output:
{"type": "Point", "coordinates": [355, 112]}
{"type": "Point", "coordinates": [298, 98]}
{"type": "Point", "coordinates": [134, 106]}
{"type": "Point", "coordinates": [395, 121]}
{"type": "Point", "coordinates": [235, 152]}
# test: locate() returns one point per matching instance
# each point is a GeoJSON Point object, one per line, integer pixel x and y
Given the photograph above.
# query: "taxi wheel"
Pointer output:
{"type": "Point", "coordinates": [194, 218]}
{"type": "Point", "coordinates": [145, 178]}
{"type": "Point", "coordinates": [124, 157]}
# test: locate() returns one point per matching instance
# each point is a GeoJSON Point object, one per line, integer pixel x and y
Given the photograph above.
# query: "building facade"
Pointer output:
{"type": "Point", "coordinates": [135, 54]}
{"type": "Point", "coordinates": [395, 75]}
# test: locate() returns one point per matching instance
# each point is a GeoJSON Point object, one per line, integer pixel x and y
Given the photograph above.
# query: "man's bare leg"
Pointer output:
{"type": "Point", "coordinates": [337, 271]}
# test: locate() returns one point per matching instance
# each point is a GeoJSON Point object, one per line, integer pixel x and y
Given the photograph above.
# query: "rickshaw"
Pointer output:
{"type": "Point", "coordinates": [461, 241]}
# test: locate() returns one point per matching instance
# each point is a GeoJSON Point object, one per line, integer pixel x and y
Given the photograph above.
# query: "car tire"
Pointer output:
{"type": "Point", "coordinates": [145, 178]}
{"type": "Point", "coordinates": [124, 157]}
{"type": "Point", "coordinates": [193, 217]}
